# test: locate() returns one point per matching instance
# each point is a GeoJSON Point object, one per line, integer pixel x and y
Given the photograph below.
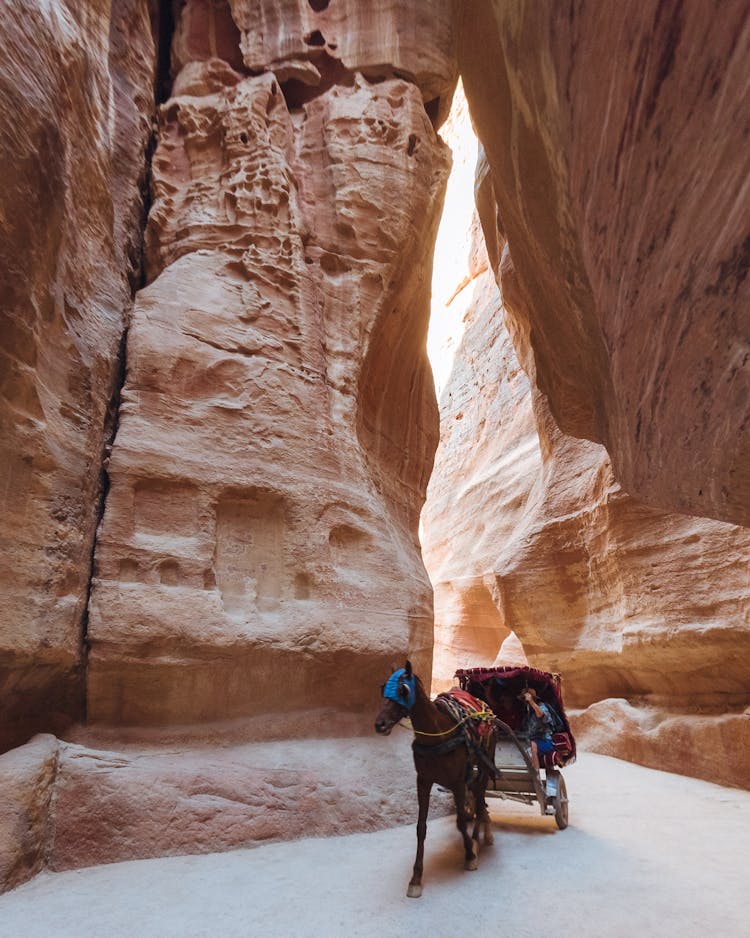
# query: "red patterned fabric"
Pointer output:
{"type": "Point", "coordinates": [462, 704]}
{"type": "Point", "coordinates": [470, 702]}
{"type": "Point", "coordinates": [562, 753]}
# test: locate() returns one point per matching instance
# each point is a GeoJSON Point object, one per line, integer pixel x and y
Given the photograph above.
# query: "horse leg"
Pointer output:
{"type": "Point", "coordinates": [424, 787]}
{"type": "Point", "coordinates": [470, 861]}
{"type": "Point", "coordinates": [483, 815]}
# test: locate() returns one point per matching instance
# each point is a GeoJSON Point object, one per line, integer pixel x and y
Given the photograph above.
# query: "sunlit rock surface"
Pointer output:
{"type": "Point", "coordinates": [259, 548]}
{"type": "Point", "coordinates": [75, 97]}
{"type": "Point", "coordinates": [485, 467]}
{"type": "Point", "coordinates": [617, 137]}
{"type": "Point", "coordinates": [710, 745]}
{"type": "Point", "coordinates": [528, 539]}
{"type": "Point", "coordinates": [133, 802]}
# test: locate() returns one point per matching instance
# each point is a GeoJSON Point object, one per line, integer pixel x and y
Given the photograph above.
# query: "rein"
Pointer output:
{"type": "Point", "coordinates": [451, 729]}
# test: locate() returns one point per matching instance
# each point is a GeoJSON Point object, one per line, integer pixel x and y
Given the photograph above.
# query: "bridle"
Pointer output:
{"type": "Point", "coordinates": [401, 689]}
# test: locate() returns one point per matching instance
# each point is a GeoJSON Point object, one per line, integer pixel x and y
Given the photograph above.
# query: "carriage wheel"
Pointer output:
{"type": "Point", "coordinates": [470, 804]}
{"type": "Point", "coordinates": [561, 804]}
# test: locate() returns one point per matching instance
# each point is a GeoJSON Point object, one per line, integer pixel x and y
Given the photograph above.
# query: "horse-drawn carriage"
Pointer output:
{"type": "Point", "coordinates": [479, 740]}
{"type": "Point", "coordinates": [517, 778]}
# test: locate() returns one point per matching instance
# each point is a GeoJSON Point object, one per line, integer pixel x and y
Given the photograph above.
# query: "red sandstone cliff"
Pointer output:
{"type": "Point", "coordinates": [275, 430]}
{"type": "Point", "coordinates": [278, 419]}
{"type": "Point", "coordinates": [75, 97]}
{"type": "Point", "coordinates": [617, 137]}
{"type": "Point", "coordinates": [526, 534]}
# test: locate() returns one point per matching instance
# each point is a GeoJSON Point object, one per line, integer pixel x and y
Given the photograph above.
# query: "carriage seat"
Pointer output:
{"type": "Point", "coordinates": [560, 755]}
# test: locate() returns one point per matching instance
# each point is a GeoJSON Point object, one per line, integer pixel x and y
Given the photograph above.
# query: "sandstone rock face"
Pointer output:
{"type": "Point", "coordinates": [68, 805]}
{"type": "Point", "coordinates": [75, 95]}
{"type": "Point", "coordinates": [617, 141]}
{"type": "Point", "coordinates": [259, 549]}
{"type": "Point", "coordinates": [132, 802]}
{"type": "Point", "coordinates": [27, 776]}
{"type": "Point", "coordinates": [489, 451]}
{"type": "Point", "coordinates": [379, 39]}
{"type": "Point", "coordinates": [708, 745]}
{"type": "Point", "coordinates": [258, 555]}
{"type": "Point", "coordinates": [485, 468]}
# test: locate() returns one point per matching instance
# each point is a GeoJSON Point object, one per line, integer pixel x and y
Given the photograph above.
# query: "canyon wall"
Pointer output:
{"type": "Point", "coordinates": [75, 99]}
{"type": "Point", "coordinates": [258, 551]}
{"type": "Point", "coordinates": [240, 391]}
{"type": "Point", "coordinates": [277, 422]}
{"type": "Point", "coordinates": [534, 550]}
{"type": "Point", "coordinates": [617, 138]}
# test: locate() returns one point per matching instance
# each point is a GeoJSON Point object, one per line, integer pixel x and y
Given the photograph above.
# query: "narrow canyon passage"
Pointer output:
{"type": "Point", "coordinates": [537, 555]}
{"type": "Point", "coordinates": [232, 495]}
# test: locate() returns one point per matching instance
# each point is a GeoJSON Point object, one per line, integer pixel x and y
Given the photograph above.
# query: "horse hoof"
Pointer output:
{"type": "Point", "coordinates": [414, 891]}
{"type": "Point", "coordinates": [471, 864]}
{"type": "Point", "coordinates": [489, 840]}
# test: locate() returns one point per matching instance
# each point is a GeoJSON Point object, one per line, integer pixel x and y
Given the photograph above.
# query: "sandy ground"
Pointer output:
{"type": "Point", "coordinates": [646, 854]}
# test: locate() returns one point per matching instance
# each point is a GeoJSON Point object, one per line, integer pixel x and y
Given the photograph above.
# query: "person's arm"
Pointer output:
{"type": "Point", "coordinates": [540, 711]}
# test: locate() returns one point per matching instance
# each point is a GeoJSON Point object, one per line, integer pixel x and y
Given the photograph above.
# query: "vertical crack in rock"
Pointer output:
{"type": "Point", "coordinates": [162, 28]}
{"type": "Point", "coordinates": [110, 431]}
{"type": "Point", "coordinates": [164, 32]}
{"type": "Point", "coordinates": [74, 123]}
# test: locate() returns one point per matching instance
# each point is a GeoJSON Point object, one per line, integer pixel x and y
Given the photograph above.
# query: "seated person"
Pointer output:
{"type": "Point", "coordinates": [538, 725]}
{"type": "Point", "coordinates": [504, 703]}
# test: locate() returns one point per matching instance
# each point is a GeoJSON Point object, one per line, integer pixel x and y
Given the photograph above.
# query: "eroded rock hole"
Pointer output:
{"type": "Point", "coordinates": [169, 573]}
{"type": "Point", "coordinates": [315, 38]}
{"type": "Point", "coordinates": [297, 93]}
{"type": "Point", "coordinates": [319, 5]}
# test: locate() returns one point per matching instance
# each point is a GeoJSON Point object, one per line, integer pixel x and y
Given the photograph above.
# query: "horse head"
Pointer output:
{"type": "Point", "coordinates": [399, 696]}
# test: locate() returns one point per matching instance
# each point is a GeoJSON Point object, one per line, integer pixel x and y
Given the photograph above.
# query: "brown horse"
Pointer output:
{"type": "Point", "coordinates": [442, 756]}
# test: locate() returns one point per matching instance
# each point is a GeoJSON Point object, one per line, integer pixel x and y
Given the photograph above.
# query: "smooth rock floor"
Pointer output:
{"type": "Point", "coordinates": [647, 854]}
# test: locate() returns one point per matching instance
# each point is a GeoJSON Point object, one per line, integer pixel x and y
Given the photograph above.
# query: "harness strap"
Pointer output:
{"type": "Point", "coordinates": [481, 756]}
{"type": "Point", "coordinates": [441, 749]}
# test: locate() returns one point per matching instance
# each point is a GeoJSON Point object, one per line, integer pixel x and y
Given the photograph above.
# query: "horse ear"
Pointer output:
{"type": "Point", "coordinates": [408, 668]}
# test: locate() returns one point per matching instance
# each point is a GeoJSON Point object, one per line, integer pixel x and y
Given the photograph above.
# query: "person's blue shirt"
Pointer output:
{"type": "Point", "coordinates": [539, 727]}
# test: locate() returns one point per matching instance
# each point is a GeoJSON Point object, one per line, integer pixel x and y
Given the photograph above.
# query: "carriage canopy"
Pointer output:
{"type": "Point", "coordinates": [500, 687]}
